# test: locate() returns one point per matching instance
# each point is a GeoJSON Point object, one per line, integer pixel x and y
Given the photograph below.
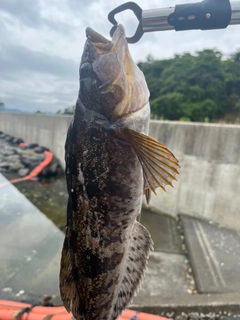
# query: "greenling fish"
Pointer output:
{"type": "Point", "coordinates": [110, 164]}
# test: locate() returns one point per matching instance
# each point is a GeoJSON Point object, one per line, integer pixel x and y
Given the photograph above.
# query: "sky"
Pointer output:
{"type": "Point", "coordinates": [41, 43]}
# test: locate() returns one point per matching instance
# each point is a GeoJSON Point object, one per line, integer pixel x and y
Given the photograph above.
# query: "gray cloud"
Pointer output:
{"type": "Point", "coordinates": [17, 60]}
{"type": "Point", "coordinates": [33, 80]}
{"type": "Point", "coordinates": [49, 106]}
{"type": "Point", "coordinates": [26, 11]}
{"type": "Point", "coordinates": [77, 5]}
{"type": "Point", "coordinates": [40, 92]}
{"type": "Point", "coordinates": [58, 26]}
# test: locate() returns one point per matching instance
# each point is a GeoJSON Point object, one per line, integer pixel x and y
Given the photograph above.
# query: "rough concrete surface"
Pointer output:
{"type": "Point", "coordinates": [207, 306]}
{"type": "Point", "coordinates": [165, 277]}
{"type": "Point", "coordinates": [163, 229]}
{"type": "Point", "coordinates": [214, 253]}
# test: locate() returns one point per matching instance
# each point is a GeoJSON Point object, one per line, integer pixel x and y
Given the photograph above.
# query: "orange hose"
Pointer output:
{"type": "Point", "coordinates": [35, 172]}
{"type": "Point", "coordinates": [39, 168]}
{"type": "Point", "coordinates": [10, 310]}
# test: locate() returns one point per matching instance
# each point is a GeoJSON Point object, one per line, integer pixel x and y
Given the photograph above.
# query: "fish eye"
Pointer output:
{"type": "Point", "coordinates": [85, 70]}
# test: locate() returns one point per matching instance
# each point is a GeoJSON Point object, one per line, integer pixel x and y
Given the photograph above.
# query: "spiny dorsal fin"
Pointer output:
{"type": "Point", "coordinates": [158, 163]}
{"type": "Point", "coordinates": [140, 246]}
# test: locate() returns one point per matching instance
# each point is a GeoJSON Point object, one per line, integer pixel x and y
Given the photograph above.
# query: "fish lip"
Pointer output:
{"type": "Point", "coordinates": [118, 35]}
{"type": "Point", "coordinates": [102, 44]}
{"type": "Point", "coordinates": [95, 37]}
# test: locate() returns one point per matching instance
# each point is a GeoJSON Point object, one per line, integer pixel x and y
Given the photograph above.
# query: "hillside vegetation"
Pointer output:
{"type": "Point", "coordinates": [202, 87]}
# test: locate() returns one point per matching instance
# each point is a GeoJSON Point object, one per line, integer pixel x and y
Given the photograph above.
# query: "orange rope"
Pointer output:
{"type": "Point", "coordinates": [11, 310]}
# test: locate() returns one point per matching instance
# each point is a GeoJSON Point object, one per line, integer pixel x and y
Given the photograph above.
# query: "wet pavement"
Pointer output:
{"type": "Point", "coordinates": [30, 246]}
{"type": "Point", "coordinates": [195, 266]}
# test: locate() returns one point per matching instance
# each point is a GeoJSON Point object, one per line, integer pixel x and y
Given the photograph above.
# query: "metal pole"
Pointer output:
{"type": "Point", "coordinates": [157, 19]}
{"type": "Point", "coordinates": [235, 19]}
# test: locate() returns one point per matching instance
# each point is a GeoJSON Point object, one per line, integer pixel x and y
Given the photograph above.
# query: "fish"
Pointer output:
{"type": "Point", "coordinates": [111, 163]}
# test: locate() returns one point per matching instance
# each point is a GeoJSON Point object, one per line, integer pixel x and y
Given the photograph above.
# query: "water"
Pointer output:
{"type": "Point", "coordinates": [50, 197]}
{"type": "Point", "coordinates": [30, 248]}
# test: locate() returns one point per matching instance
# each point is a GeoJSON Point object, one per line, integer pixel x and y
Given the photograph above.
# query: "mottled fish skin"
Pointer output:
{"type": "Point", "coordinates": [105, 249]}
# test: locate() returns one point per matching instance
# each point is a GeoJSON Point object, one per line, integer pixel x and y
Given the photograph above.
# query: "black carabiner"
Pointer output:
{"type": "Point", "coordinates": [136, 10]}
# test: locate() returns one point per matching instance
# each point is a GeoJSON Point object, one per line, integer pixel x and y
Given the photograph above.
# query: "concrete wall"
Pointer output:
{"type": "Point", "coordinates": [209, 181]}
{"type": "Point", "coordinates": [209, 155]}
{"type": "Point", "coordinates": [47, 130]}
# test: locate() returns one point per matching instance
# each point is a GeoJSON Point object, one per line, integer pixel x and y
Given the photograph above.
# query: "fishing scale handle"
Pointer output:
{"type": "Point", "coordinates": [205, 15]}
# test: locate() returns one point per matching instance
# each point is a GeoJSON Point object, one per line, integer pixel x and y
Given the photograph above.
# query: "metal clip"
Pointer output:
{"type": "Point", "coordinates": [137, 11]}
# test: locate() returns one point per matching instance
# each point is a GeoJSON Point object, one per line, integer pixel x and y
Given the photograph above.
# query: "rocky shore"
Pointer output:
{"type": "Point", "coordinates": [21, 158]}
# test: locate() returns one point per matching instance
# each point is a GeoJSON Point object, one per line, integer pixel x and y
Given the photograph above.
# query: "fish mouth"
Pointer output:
{"type": "Point", "coordinates": [103, 45]}
{"type": "Point", "coordinates": [121, 81]}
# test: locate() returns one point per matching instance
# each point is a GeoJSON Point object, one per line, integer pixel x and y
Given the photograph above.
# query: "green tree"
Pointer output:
{"type": "Point", "coordinates": [1, 106]}
{"type": "Point", "coordinates": [165, 106]}
{"type": "Point", "coordinates": [237, 106]}
{"type": "Point", "coordinates": [231, 68]}
{"type": "Point", "coordinates": [236, 56]}
{"type": "Point", "coordinates": [199, 87]}
{"type": "Point", "coordinates": [69, 110]}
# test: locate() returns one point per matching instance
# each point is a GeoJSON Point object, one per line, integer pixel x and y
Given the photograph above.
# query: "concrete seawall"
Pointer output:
{"type": "Point", "coordinates": [209, 181]}
{"type": "Point", "coordinates": [46, 130]}
{"type": "Point", "coordinates": [209, 155]}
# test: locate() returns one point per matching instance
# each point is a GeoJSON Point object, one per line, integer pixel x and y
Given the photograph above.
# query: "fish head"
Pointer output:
{"type": "Point", "coordinates": [110, 81]}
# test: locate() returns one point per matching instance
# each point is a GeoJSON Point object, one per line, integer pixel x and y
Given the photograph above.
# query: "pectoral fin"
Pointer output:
{"type": "Point", "coordinates": [158, 163]}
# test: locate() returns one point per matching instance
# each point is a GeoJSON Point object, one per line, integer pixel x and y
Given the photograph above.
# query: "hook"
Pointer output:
{"type": "Point", "coordinates": [136, 10]}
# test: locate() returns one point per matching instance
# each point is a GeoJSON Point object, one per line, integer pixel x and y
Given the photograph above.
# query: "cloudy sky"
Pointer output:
{"type": "Point", "coordinates": [41, 43]}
